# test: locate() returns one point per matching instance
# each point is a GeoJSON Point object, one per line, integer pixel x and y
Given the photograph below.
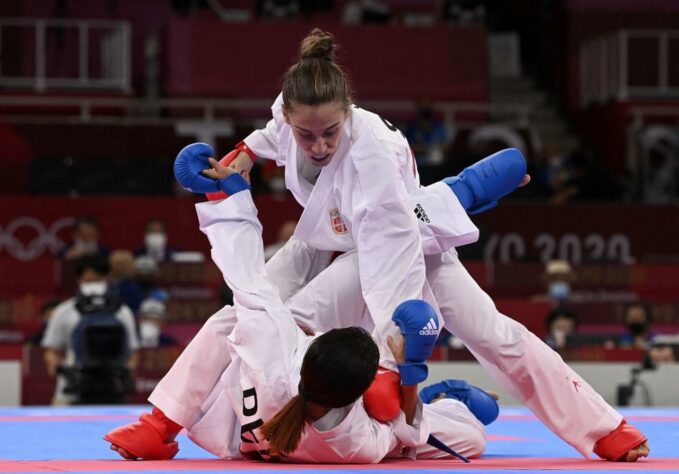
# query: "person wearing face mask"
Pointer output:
{"type": "Point", "coordinates": [561, 322]}
{"type": "Point", "coordinates": [85, 240]}
{"type": "Point", "coordinates": [355, 175]}
{"type": "Point", "coordinates": [155, 242]}
{"type": "Point", "coordinates": [93, 296]}
{"type": "Point", "coordinates": [637, 318]}
{"type": "Point", "coordinates": [151, 317]}
{"type": "Point", "coordinates": [142, 285]}
{"type": "Point", "coordinates": [559, 275]}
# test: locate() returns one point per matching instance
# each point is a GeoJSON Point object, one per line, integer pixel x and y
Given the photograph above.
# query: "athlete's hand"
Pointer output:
{"type": "Point", "coordinates": [218, 171]}
{"type": "Point", "coordinates": [228, 181]}
{"type": "Point", "coordinates": [398, 348]}
{"type": "Point", "coordinates": [242, 165]}
{"type": "Point", "coordinates": [524, 181]}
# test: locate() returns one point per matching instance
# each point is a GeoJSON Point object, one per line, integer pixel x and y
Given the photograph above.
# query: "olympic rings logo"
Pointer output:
{"type": "Point", "coordinates": [45, 238]}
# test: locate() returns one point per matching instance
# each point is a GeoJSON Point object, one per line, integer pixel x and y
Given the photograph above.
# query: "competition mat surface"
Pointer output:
{"type": "Point", "coordinates": [45, 439]}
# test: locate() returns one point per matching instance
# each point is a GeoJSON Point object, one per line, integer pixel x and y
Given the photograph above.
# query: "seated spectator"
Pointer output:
{"type": "Point", "coordinates": [637, 319]}
{"type": "Point", "coordinates": [428, 136]}
{"type": "Point", "coordinates": [151, 318]}
{"type": "Point", "coordinates": [661, 354]}
{"type": "Point", "coordinates": [366, 12]}
{"type": "Point", "coordinates": [122, 265]}
{"type": "Point", "coordinates": [278, 9]}
{"type": "Point", "coordinates": [561, 323]}
{"type": "Point", "coordinates": [462, 12]}
{"type": "Point", "coordinates": [549, 171]}
{"type": "Point", "coordinates": [142, 285]}
{"type": "Point", "coordinates": [94, 297]}
{"type": "Point", "coordinates": [558, 277]}
{"type": "Point", "coordinates": [85, 240]}
{"type": "Point", "coordinates": [588, 181]}
{"type": "Point", "coordinates": [660, 183]}
{"type": "Point", "coordinates": [155, 242]}
{"type": "Point", "coordinates": [46, 311]}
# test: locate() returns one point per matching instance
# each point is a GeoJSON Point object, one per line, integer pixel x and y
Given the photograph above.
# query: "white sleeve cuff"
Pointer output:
{"type": "Point", "coordinates": [412, 435]}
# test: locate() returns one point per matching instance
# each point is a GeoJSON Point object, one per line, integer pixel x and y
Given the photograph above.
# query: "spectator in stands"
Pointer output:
{"type": "Point", "coordinates": [550, 171]}
{"type": "Point", "coordinates": [155, 242]}
{"type": "Point", "coordinates": [143, 284]}
{"type": "Point", "coordinates": [46, 311]}
{"type": "Point", "coordinates": [85, 240]}
{"type": "Point", "coordinates": [428, 137]}
{"type": "Point", "coordinates": [662, 354]}
{"type": "Point", "coordinates": [278, 9]}
{"type": "Point", "coordinates": [662, 175]}
{"type": "Point", "coordinates": [92, 273]}
{"type": "Point", "coordinates": [559, 276]}
{"type": "Point", "coordinates": [637, 318]}
{"type": "Point", "coordinates": [151, 317]}
{"type": "Point", "coordinates": [588, 181]}
{"type": "Point", "coordinates": [366, 11]}
{"type": "Point", "coordinates": [462, 12]}
{"type": "Point", "coordinates": [561, 322]}
{"type": "Point", "coordinates": [275, 182]}
{"type": "Point", "coordinates": [122, 265]}
{"type": "Point", "coordinates": [285, 231]}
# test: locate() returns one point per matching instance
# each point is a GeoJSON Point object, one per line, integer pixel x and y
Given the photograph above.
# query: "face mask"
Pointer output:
{"type": "Point", "coordinates": [559, 290]}
{"type": "Point", "coordinates": [636, 328]}
{"type": "Point", "coordinates": [277, 185]}
{"type": "Point", "coordinates": [150, 334]}
{"type": "Point", "coordinates": [95, 288]}
{"type": "Point", "coordinates": [155, 240]}
{"type": "Point", "coordinates": [85, 246]}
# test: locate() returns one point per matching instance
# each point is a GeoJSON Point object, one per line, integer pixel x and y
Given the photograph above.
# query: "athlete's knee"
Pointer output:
{"type": "Point", "coordinates": [477, 442]}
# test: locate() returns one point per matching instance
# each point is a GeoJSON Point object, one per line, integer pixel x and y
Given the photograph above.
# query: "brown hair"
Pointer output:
{"type": "Point", "coordinates": [316, 78]}
{"type": "Point", "coordinates": [337, 368]}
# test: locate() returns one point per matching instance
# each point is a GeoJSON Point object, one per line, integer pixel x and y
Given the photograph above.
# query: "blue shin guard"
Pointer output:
{"type": "Point", "coordinates": [479, 186]}
{"type": "Point", "coordinates": [483, 406]}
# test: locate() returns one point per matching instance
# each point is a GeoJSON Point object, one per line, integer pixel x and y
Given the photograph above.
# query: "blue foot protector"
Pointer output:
{"type": "Point", "coordinates": [483, 406]}
{"type": "Point", "coordinates": [479, 186]}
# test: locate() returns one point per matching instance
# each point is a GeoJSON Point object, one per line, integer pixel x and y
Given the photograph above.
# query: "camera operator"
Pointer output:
{"type": "Point", "coordinates": [94, 305]}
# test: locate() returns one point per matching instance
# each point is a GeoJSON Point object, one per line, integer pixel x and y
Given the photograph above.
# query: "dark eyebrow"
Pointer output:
{"type": "Point", "coordinates": [304, 130]}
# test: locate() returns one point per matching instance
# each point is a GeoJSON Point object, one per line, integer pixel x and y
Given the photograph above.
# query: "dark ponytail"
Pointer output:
{"type": "Point", "coordinates": [316, 78]}
{"type": "Point", "coordinates": [285, 429]}
{"type": "Point", "coordinates": [338, 367]}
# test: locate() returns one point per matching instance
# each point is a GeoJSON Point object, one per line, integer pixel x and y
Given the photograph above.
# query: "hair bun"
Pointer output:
{"type": "Point", "coordinates": [318, 45]}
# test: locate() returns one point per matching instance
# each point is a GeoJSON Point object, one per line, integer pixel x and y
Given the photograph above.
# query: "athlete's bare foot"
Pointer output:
{"type": "Point", "coordinates": [493, 395]}
{"type": "Point", "coordinates": [640, 451]}
{"type": "Point", "coordinates": [122, 452]}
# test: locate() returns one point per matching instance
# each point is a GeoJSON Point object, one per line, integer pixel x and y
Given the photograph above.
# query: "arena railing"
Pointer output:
{"type": "Point", "coordinates": [169, 110]}
{"type": "Point", "coordinates": [628, 64]}
{"type": "Point", "coordinates": [65, 54]}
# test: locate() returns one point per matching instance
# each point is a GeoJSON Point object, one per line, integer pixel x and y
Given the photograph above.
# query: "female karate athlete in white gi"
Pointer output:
{"type": "Point", "coordinates": [262, 351]}
{"type": "Point", "coordinates": [352, 171]}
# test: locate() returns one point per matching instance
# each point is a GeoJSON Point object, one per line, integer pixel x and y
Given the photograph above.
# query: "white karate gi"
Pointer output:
{"type": "Point", "coordinates": [363, 189]}
{"type": "Point", "coordinates": [244, 364]}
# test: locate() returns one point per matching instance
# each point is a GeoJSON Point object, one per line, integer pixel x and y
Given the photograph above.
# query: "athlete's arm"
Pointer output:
{"type": "Point", "coordinates": [235, 235]}
{"type": "Point", "coordinates": [384, 228]}
{"type": "Point", "coordinates": [409, 397]}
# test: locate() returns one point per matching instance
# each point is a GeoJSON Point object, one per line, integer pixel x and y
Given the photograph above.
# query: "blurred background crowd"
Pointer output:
{"type": "Point", "coordinates": [97, 97]}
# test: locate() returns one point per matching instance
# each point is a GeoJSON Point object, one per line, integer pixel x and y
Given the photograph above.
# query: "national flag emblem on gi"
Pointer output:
{"type": "Point", "coordinates": [337, 223]}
